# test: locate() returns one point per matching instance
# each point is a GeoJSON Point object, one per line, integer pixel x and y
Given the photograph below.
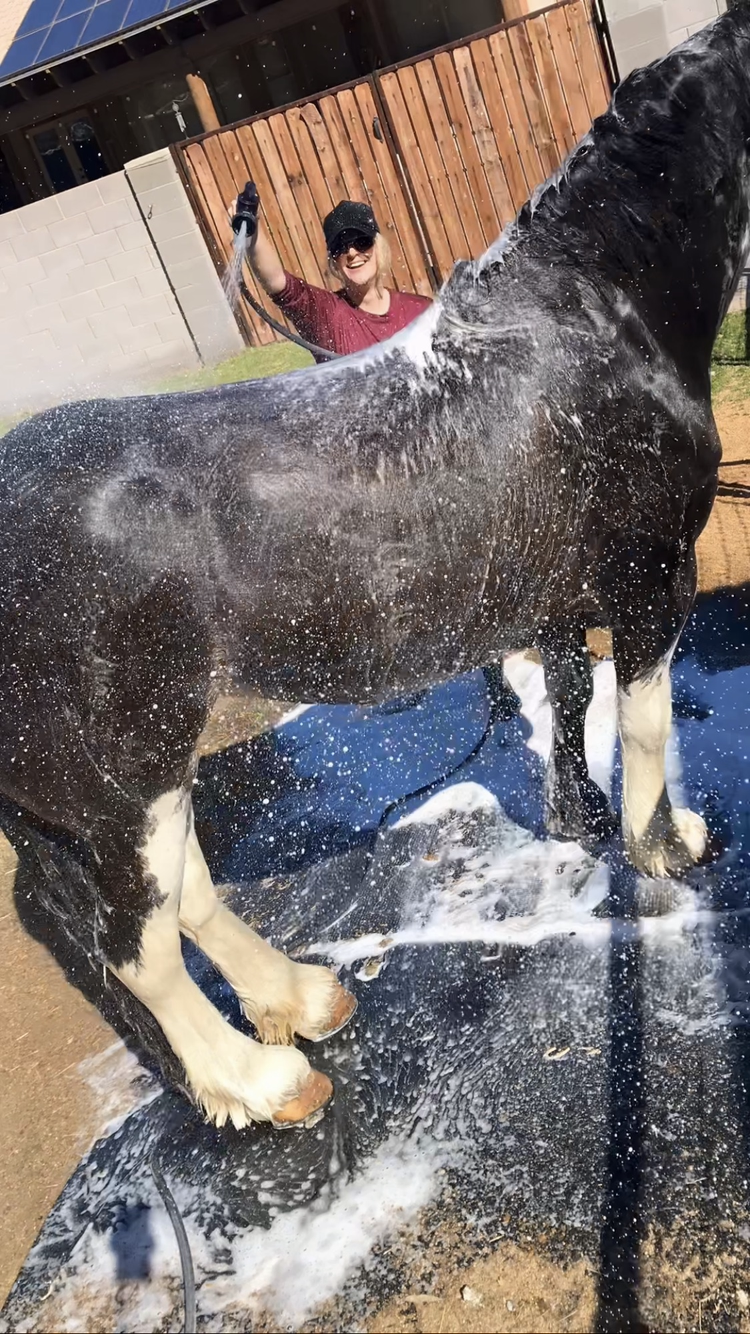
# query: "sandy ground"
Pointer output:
{"type": "Point", "coordinates": [49, 1112]}
{"type": "Point", "coordinates": [509, 1292]}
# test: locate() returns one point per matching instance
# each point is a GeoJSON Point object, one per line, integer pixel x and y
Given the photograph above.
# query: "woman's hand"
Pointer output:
{"type": "Point", "coordinates": [261, 252]}
{"type": "Point", "coordinates": [246, 211]}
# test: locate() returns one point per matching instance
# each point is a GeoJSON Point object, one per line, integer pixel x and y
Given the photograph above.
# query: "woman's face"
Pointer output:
{"type": "Point", "coordinates": [358, 268]}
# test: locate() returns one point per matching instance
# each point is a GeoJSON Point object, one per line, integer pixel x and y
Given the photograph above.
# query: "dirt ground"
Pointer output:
{"type": "Point", "coordinates": [724, 546]}
{"type": "Point", "coordinates": [49, 1111]}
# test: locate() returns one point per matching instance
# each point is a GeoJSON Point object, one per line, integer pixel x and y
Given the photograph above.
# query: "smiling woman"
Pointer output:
{"type": "Point", "coordinates": [363, 311]}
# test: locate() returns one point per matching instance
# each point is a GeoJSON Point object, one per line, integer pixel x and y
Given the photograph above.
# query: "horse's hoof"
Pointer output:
{"type": "Point", "coordinates": [343, 1010]}
{"type": "Point", "coordinates": [303, 1110]}
{"type": "Point", "coordinates": [672, 846]}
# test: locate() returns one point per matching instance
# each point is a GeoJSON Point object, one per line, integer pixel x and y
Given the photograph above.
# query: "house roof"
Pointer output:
{"type": "Point", "coordinates": [49, 31]}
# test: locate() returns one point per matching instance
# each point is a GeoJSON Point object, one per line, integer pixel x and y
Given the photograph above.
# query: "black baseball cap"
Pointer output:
{"type": "Point", "coordinates": [349, 216]}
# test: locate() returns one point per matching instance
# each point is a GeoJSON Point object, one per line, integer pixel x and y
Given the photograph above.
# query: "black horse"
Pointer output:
{"type": "Point", "coordinates": [536, 455]}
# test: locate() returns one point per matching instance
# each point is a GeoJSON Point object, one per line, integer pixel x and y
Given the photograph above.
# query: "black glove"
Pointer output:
{"type": "Point", "coordinates": [246, 211]}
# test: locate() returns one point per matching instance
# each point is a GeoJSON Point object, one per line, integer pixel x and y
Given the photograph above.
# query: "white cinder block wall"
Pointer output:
{"type": "Point", "coordinates": [643, 30]}
{"type": "Point", "coordinates": [178, 240]}
{"type": "Point", "coordinates": [86, 304]}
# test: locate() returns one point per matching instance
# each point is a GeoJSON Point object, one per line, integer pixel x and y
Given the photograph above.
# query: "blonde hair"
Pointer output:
{"type": "Point", "coordinates": [382, 250]}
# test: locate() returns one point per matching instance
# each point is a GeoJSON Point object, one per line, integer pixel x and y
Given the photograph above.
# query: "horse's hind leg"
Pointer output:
{"type": "Point", "coordinates": [230, 1076]}
{"type": "Point", "coordinates": [660, 839]}
{"type": "Point", "coordinates": [653, 599]}
{"type": "Point", "coordinates": [281, 998]}
{"type": "Point", "coordinates": [576, 806]}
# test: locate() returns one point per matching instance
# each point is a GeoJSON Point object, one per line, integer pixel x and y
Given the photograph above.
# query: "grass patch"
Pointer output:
{"type": "Point", "coordinates": [732, 341]}
{"type": "Point", "coordinates": [730, 384]}
{"type": "Point", "coordinates": [7, 423]}
{"type": "Point", "coordinates": [253, 364]}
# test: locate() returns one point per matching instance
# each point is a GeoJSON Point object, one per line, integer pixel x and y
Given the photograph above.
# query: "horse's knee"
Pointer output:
{"type": "Point", "coordinates": [644, 709]}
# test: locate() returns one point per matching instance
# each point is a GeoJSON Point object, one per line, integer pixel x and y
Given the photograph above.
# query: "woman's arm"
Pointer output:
{"type": "Point", "coordinates": [265, 262]}
{"type": "Point", "coordinates": [311, 309]}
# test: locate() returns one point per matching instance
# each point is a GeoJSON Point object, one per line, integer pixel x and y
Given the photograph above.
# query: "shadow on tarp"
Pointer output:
{"type": "Point", "coordinates": [717, 633]}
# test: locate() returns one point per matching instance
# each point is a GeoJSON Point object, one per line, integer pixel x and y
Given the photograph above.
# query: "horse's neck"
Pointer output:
{"type": "Point", "coordinates": [656, 202]}
{"type": "Point", "coordinates": [687, 119]}
{"type": "Point", "coordinates": [690, 267]}
{"type": "Point", "coordinates": [694, 240]}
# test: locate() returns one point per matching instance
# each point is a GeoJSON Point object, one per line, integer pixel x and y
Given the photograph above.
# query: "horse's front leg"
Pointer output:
{"type": "Point", "coordinates": [230, 1076]}
{"type": "Point", "coordinates": [576, 807]}
{"type": "Point", "coordinates": [281, 998]}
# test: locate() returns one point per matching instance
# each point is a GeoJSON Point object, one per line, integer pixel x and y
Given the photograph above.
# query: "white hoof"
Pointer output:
{"type": "Point", "coordinates": [692, 830]}
{"type": "Point", "coordinates": [312, 1005]}
{"type": "Point", "coordinates": [670, 846]}
{"type": "Point", "coordinates": [240, 1081]}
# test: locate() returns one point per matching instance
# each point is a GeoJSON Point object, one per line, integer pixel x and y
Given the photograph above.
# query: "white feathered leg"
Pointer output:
{"type": "Point", "coordinates": [660, 839]}
{"type": "Point", "coordinates": [281, 998]}
{"type": "Point", "coordinates": [231, 1077]}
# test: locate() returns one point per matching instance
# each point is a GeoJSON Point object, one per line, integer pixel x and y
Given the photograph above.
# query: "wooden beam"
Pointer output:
{"type": "Point", "coordinates": [97, 63]}
{"type": "Point", "coordinates": [180, 59]}
{"type": "Point", "coordinates": [165, 31]}
{"type": "Point", "coordinates": [60, 76]}
{"type": "Point", "coordinates": [203, 103]}
{"type": "Point", "coordinates": [131, 51]}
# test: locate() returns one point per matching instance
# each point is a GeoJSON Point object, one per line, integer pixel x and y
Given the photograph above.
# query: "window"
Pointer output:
{"type": "Point", "coordinates": [69, 152]}
{"type": "Point", "coordinates": [320, 53]}
{"type": "Point", "coordinates": [335, 47]}
{"type": "Point", "coordinates": [276, 69]}
{"type": "Point", "coordinates": [238, 88]}
{"type": "Point", "coordinates": [10, 197]}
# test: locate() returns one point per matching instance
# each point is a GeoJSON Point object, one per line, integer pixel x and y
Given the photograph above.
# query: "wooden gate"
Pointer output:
{"type": "Point", "coordinates": [445, 147]}
{"type": "Point", "coordinates": [479, 125]}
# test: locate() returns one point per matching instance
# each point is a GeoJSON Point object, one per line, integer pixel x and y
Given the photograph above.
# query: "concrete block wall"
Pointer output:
{"type": "Point", "coordinates": [85, 305]}
{"type": "Point", "coordinates": [107, 288]}
{"type": "Point", "coordinates": [643, 30]}
{"type": "Point", "coordinates": [183, 254]}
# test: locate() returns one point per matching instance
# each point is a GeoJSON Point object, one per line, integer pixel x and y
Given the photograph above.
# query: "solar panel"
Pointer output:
{"type": "Point", "coordinates": [55, 28]}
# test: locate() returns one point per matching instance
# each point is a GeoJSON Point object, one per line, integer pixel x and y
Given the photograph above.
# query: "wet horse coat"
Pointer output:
{"type": "Point", "coordinates": [535, 455]}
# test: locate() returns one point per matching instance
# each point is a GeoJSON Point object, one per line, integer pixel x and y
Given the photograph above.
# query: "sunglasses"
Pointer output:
{"type": "Point", "coordinates": [347, 241]}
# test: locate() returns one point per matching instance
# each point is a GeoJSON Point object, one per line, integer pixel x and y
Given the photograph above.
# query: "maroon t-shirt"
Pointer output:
{"type": "Point", "coordinates": [330, 320]}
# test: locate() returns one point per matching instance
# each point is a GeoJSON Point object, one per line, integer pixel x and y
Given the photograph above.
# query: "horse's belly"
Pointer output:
{"type": "Point", "coordinates": [348, 639]}
{"type": "Point", "coordinates": [373, 670]}
{"type": "Point", "coordinates": [363, 604]}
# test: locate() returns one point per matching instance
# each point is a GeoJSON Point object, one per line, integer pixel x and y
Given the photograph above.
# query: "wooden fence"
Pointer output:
{"type": "Point", "coordinates": [446, 148]}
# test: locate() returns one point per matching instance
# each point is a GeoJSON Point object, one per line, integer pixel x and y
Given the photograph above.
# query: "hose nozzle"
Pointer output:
{"type": "Point", "coordinates": [246, 211]}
